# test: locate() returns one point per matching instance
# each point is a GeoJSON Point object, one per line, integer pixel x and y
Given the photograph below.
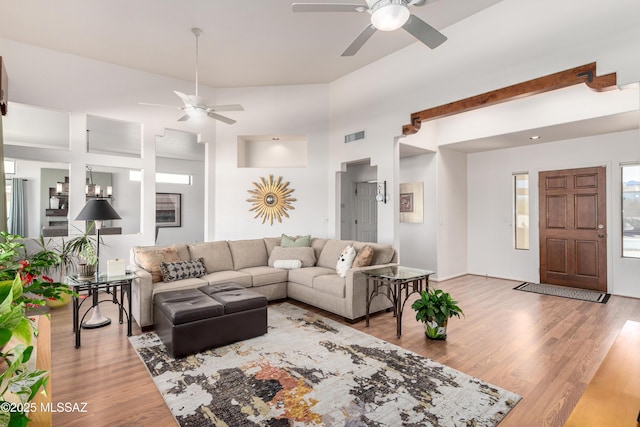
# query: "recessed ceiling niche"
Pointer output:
{"type": "Point", "coordinates": [30, 126]}
{"type": "Point", "coordinates": [272, 151]}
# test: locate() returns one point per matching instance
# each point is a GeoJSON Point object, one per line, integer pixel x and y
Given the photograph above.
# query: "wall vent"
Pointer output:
{"type": "Point", "coordinates": [354, 137]}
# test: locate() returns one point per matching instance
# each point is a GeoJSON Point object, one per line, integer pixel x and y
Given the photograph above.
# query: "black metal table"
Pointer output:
{"type": "Point", "coordinates": [94, 287]}
{"type": "Point", "coordinates": [397, 284]}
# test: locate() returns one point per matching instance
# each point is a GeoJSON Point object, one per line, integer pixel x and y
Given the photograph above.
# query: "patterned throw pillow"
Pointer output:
{"type": "Point", "coordinates": [364, 257]}
{"type": "Point", "coordinates": [345, 261]}
{"type": "Point", "coordinates": [150, 260]}
{"type": "Point", "coordinates": [172, 271]}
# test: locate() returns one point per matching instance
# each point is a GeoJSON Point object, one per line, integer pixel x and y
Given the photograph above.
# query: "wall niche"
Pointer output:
{"type": "Point", "coordinates": [271, 151]}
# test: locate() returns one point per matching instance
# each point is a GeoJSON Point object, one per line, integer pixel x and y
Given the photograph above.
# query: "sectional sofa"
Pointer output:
{"type": "Point", "coordinates": [253, 264]}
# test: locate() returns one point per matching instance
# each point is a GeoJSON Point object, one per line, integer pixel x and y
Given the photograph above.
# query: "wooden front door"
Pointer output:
{"type": "Point", "coordinates": [573, 238]}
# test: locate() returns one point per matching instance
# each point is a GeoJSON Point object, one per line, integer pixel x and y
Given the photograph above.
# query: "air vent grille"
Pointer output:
{"type": "Point", "coordinates": [357, 136]}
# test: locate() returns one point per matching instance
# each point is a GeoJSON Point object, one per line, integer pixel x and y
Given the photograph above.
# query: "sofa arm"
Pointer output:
{"type": "Point", "coordinates": [141, 296]}
{"type": "Point", "coordinates": [356, 290]}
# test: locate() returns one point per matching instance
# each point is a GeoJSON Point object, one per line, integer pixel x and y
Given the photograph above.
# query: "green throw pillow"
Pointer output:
{"type": "Point", "coordinates": [295, 242]}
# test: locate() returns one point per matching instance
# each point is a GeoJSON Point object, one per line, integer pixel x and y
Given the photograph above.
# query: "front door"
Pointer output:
{"type": "Point", "coordinates": [366, 212]}
{"type": "Point", "coordinates": [573, 238]}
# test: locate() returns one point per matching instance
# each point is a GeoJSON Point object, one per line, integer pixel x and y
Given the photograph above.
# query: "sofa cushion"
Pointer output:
{"type": "Point", "coordinates": [216, 255]}
{"type": "Point", "coordinates": [190, 283]}
{"type": "Point", "coordinates": [238, 277]}
{"type": "Point", "coordinates": [295, 242]}
{"type": "Point", "coordinates": [248, 253]}
{"type": "Point", "coordinates": [364, 257]}
{"type": "Point", "coordinates": [172, 271]}
{"type": "Point", "coordinates": [331, 284]}
{"type": "Point", "coordinates": [382, 252]}
{"type": "Point", "coordinates": [270, 243]}
{"type": "Point", "coordinates": [150, 260]}
{"type": "Point", "coordinates": [345, 261]}
{"type": "Point", "coordinates": [305, 276]}
{"type": "Point", "coordinates": [261, 276]}
{"type": "Point", "coordinates": [305, 255]}
{"type": "Point", "coordinates": [331, 252]}
{"type": "Point", "coordinates": [317, 243]}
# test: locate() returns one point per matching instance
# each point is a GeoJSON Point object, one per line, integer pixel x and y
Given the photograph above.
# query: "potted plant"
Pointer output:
{"type": "Point", "coordinates": [435, 308]}
{"type": "Point", "coordinates": [23, 285]}
{"type": "Point", "coordinates": [83, 246]}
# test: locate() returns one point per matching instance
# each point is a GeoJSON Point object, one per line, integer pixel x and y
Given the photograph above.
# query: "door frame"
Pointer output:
{"type": "Point", "coordinates": [534, 204]}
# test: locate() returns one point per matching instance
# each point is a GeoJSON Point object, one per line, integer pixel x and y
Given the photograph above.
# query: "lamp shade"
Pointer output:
{"type": "Point", "coordinates": [97, 210]}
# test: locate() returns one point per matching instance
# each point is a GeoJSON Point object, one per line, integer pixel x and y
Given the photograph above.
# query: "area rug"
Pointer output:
{"type": "Point", "coordinates": [311, 371]}
{"type": "Point", "coordinates": [565, 292]}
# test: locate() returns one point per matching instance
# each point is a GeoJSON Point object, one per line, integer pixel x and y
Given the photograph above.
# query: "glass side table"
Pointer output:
{"type": "Point", "coordinates": [95, 286]}
{"type": "Point", "coordinates": [396, 283]}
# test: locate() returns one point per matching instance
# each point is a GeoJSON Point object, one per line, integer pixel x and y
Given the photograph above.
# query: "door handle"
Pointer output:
{"type": "Point", "coordinates": [600, 235]}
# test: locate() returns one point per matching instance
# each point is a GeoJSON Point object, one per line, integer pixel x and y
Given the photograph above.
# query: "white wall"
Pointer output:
{"type": "Point", "coordinates": [490, 209]}
{"type": "Point", "coordinates": [278, 110]}
{"type": "Point", "coordinates": [418, 241]}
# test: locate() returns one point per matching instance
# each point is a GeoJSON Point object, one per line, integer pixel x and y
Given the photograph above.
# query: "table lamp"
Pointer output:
{"type": "Point", "coordinates": [97, 210]}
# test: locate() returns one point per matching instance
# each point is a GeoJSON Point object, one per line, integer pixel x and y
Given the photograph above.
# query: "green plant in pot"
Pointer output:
{"type": "Point", "coordinates": [434, 308]}
{"type": "Point", "coordinates": [84, 247]}
{"type": "Point", "coordinates": [24, 285]}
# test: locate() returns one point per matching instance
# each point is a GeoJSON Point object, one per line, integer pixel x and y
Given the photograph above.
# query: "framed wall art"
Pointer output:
{"type": "Point", "coordinates": [168, 210]}
{"type": "Point", "coordinates": [412, 202]}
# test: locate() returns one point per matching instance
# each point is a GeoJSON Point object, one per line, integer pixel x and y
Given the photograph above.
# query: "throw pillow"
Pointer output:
{"type": "Point", "coordinates": [150, 260]}
{"type": "Point", "coordinates": [287, 264]}
{"type": "Point", "coordinates": [364, 257]}
{"type": "Point", "coordinates": [295, 242]}
{"type": "Point", "coordinates": [345, 261]}
{"type": "Point", "coordinates": [172, 271]}
{"type": "Point", "coordinates": [305, 255]}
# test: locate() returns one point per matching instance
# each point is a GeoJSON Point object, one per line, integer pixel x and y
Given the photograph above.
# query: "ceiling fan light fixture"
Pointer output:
{"type": "Point", "coordinates": [389, 15]}
{"type": "Point", "coordinates": [196, 112]}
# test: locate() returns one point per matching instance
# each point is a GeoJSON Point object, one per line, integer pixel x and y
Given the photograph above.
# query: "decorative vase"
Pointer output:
{"type": "Point", "coordinates": [64, 300]}
{"type": "Point", "coordinates": [434, 330]}
{"type": "Point", "coordinates": [86, 271]}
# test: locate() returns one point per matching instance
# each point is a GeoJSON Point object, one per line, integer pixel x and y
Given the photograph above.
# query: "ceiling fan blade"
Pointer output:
{"type": "Point", "coordinates": [359, 41]}
{"type": "Point", "coordinates": [185, 98]}
{"type": "Point", "coordinates": [221, 118]}
{"type": "Point", "coordinates": [184, 118]}
{"type": "Point", "coordinates": [424, 32]}
{"type": "Point", "coordinates": [161, 105]}
{"type": "Point", "coordinates": [231, 107]}
{"type": "Point", "coordinates": [328, 7]}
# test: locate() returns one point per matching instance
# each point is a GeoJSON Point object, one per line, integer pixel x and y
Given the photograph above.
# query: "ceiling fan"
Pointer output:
{"type": "Point", "coordinates": [386, 15]}
{"type": "Point", "coordinates": [194, 105]}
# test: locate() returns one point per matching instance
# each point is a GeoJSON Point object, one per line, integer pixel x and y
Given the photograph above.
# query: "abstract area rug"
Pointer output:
{"type": "Point", "coordinates": [565, 292]}
{"type": "Point", "coordinates": [311, 371]}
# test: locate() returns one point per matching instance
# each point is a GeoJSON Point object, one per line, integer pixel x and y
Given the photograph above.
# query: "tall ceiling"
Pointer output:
{"type": "Point", "coordinates": [245, 43]}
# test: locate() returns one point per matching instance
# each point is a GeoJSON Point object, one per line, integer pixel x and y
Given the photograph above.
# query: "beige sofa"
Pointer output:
{"type": "Point", "coordinates": [250, 263]}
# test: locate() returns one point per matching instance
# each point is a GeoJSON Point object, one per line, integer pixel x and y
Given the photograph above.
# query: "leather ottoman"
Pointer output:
{"type": "Point", "coordinates": [192, 320]}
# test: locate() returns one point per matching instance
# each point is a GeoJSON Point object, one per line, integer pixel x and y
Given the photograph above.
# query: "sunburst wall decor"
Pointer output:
{"type": "Point", "coordinates": [271, 199]}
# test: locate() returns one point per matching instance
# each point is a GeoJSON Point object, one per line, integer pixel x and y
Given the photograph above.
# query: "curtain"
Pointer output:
{"type": "Point", "coordinates": [3, 189]}
{"type": "Point", "coordinates": [16, 207]}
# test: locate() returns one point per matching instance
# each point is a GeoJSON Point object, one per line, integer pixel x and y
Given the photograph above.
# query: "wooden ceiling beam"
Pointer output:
{"type": "Point", "coordinates": [578, 75]}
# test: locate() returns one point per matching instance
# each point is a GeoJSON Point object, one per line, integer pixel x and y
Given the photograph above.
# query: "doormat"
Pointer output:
{"type": "Point", "coordinates": [311, 371]}
{"type": "Point", "coordinates": [565, 292]}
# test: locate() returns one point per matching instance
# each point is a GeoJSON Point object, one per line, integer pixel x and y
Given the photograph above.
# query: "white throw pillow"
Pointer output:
{"type": "Point", "coordinates": [345, 261]}
{"type": "Point", "coordinates": [287, 264]}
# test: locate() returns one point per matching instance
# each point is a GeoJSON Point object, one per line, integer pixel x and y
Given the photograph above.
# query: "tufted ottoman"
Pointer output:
{"type": "Point", "coordinates": [191, 320]}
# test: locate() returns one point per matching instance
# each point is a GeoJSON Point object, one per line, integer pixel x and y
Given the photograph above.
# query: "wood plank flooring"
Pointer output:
{"type": "Point", "coordinates": [544, 348]}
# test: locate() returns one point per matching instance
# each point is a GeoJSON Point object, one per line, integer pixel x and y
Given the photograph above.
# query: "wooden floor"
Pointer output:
{"type": "Point", "coordinates": [544, 348]}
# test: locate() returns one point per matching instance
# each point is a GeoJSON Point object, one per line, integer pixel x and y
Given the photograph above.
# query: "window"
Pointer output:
{"type": "Point", "coordinates": [631, 210]}
{"type": "Point", "coordinates": [521, 210]}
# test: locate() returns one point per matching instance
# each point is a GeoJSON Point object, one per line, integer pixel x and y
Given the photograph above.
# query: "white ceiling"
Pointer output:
{"type": "Point", "coordinates": [245, 43]}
